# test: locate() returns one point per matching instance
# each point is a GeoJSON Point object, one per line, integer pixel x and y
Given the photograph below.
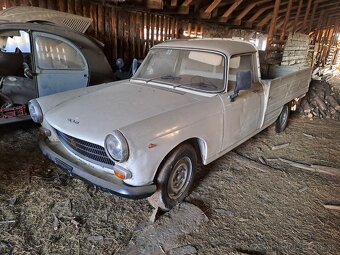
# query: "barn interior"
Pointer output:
{"type": "Point", "coordinates": [274, 194]}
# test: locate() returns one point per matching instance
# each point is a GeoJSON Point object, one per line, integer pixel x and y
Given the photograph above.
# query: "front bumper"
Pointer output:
{"type": "Point", "coordinates": [102, 180]}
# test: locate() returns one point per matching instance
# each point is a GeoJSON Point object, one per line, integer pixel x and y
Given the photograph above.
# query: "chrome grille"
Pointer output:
{"type": "Point", "coordinates": [89, 151]}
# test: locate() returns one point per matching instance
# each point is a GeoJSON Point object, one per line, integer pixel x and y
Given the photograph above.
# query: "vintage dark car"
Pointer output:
{"type": "Point", "coordinates": [42, 59]}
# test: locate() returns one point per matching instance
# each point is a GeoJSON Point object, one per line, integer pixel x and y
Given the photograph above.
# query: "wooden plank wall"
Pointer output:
{"type": "Point", "coordinates": [126, 34]}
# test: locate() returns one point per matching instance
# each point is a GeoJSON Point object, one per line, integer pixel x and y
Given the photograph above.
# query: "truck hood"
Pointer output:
{"type": "Point", "coordinates": [94, 115]}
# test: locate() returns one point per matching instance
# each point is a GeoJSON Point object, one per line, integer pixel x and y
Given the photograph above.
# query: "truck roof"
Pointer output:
{"type": "Point", "coordinates": [227, 46]}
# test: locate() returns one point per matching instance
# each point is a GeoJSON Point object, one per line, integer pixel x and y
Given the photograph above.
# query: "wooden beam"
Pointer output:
{"type": "Point", "coordinates": [206, 14]}
{"type": "Point", "coordinates": [173, 3]}
{"type": "Point", "coordinates": [319, 30]}
{"type": "Point", "coordinates": [324, 35]}
{"type": "Point", "coordinates": [245, 11]}
{"type": "Point", "coordinates": [332, 207]}
{"type": "Point", "coordinates": [212, 6]}
{"type": "Point", "coordinates": [272, 24]}
{"type": "Point", "coordinates": [333, 39]}
{"type": "Point", "coordinates": [185, 7]}
{"type": "Point", "coordinates": [154, 4]}
{"type": "Point", "coordinates": [279, 24]}
{"type": "Point", "coordinates": [329, 7]}
{"type": "Point", "coordinates": [264, 21]}
{"type": "Point", "coordinates": [257, 14]}
{"type": "Point", "coordinates": [225, 16]}
{"type": "Point", "coordinates": [313, 15]}
{"type": "Point", "coordinates": [307, 14]}
{"type": "Point", "coordinates": [297, 15]}
{"type": "Point", "coordinates": [285, 22]}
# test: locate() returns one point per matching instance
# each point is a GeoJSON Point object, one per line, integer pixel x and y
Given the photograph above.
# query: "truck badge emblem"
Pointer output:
{"type": "Point", "coordinates": [75, 121]}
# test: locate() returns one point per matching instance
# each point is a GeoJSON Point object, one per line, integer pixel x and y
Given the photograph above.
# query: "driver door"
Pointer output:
{"type": "Point", "coordinates": [59, 64]}
{"type": "Point", "coordinates": [242, 116]}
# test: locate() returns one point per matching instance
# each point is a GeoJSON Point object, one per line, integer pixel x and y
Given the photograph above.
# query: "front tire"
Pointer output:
{"type": "Point", "coordinates": [175, 178]}
{"type": "Point", "coordinates": [282, 120]}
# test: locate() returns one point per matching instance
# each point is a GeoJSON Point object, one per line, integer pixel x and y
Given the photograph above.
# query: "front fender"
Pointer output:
{"type": "Point", "coordinates": [150, 141]}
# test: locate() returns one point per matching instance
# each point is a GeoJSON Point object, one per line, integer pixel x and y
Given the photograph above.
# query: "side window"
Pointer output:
{"type": "Point", "coordinates": [238, 63]}
{"type": "Point", "coordinates": [55, 54]}
{"type": "Point", "coordinates": [13, 41]}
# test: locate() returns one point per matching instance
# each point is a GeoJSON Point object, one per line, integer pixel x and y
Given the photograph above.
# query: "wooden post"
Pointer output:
{"type": "Point", "coordinates": [70, 7]}
{"type": "Point", "coordinates": [157, 28]}
{"type": "Point", "coordinates": [51, 5]}
{"type": "Point", "coordinates": [147, 34]}
{"type": "Point", "coordinates": [78, 7]}
{"type": "Point", "coordinates": [331, 42]}
{"type": "Point", "coordinates": [42, 4]}
{"type": "Point", "coordinates": [322, 41]}
{"type": "Point", "coordinates": [173, 28]}
{"type": "Point", "coordinates": [114, 32]}
{"type": "Point", "coordinates": [108, 30]}
{"type": "Point", "coordinates": [100, 21]}
{"type": "Point", "coordinates": [93, 10]}
{"type": "Point", "coordinates": [319, 28]}
{"type": "Point", "coordinates": [285, 22]}
{"type": "Point", "coordinates": [126, 34]}
{"type": "Point", "coordinates": [139, 33]}
{"type": "Point", "coordinates": [133, 32]}
{"type": "Point", "coordinates": [152, 27]}
{"type": "Point", "coordinates": [62, 6]}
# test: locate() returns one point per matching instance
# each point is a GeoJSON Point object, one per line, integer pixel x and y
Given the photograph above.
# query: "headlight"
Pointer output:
{"type": "Point", "coordinates": [116, 146]}
{"type": "Point", "coordinates": [35, 111]}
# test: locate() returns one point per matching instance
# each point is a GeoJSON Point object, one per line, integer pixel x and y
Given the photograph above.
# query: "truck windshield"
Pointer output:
{"type": "Point", "coordinates": [191, 69]}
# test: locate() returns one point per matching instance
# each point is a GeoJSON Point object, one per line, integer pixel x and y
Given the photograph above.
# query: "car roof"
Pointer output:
{"type": "Point", "coordinates": [228, 47]}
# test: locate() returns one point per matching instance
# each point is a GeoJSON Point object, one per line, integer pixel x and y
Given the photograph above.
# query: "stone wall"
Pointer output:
{"type": "Point", "coordinates": [296, 50]}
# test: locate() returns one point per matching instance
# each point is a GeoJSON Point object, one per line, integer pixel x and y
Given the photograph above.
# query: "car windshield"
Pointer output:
{"type": "Point", "coordinates": [191, 69]}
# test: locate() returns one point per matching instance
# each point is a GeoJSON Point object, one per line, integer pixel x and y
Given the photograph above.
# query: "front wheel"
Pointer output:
{"type": "Point", "coordinates": [282, 120]}
{"type": "Point", "coordinates": [175, 178]}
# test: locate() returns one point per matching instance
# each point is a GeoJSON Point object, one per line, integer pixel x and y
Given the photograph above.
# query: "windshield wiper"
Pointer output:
{"type": "Point", "coordinates": [165, 77]}
{"type": "Point", "coordinates": [170, 77]}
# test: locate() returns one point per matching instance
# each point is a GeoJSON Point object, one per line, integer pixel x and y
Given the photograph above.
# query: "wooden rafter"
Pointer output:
{"type": "Point", "coordinates": [207, 12]}
{"type": "Point", "coordinates": [297, 15]}
{"type": "Point", "coordinates": [313, 15]}
{"type": "Point", "coordinates": [245, 11]}
{"type": "Point", "coordinates": [257, 15]}
{"type": "Point", "coordinates": [264, 21]}
{"type": "Point", "coordinates": [285, 22]}
{"type": "Point", "coordinates": [227, 13]}
{"type": "Point", "coordinates": [272, 24]}
{"type": "Point", "coordinates": [307, 14]}
{"type": "Point", "coordinates": [185, 7]}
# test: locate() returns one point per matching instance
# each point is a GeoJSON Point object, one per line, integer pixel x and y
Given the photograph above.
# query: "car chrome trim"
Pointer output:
{"type": "Point", "coordinates": [56, 153]}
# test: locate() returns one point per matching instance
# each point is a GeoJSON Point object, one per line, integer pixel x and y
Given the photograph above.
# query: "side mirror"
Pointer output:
{"type": "Point", "coordinates": [243, 82]}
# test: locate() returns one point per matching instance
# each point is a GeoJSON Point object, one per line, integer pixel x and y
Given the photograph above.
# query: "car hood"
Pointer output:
{"type": "Point", "coordinates": [94, 115]}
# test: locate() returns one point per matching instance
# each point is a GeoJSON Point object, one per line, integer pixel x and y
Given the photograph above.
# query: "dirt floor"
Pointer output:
{"type": "Point", "coordinates": [246, 202]}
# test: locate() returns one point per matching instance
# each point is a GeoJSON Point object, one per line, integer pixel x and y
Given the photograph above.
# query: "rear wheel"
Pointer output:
{"type": "Point", "coordinates": [175, 177]}
{"type": "Point", "coordinates": [282, 120]}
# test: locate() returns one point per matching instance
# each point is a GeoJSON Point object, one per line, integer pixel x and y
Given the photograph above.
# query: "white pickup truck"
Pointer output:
{"type": "Point", "coordinates": [191, 101]}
